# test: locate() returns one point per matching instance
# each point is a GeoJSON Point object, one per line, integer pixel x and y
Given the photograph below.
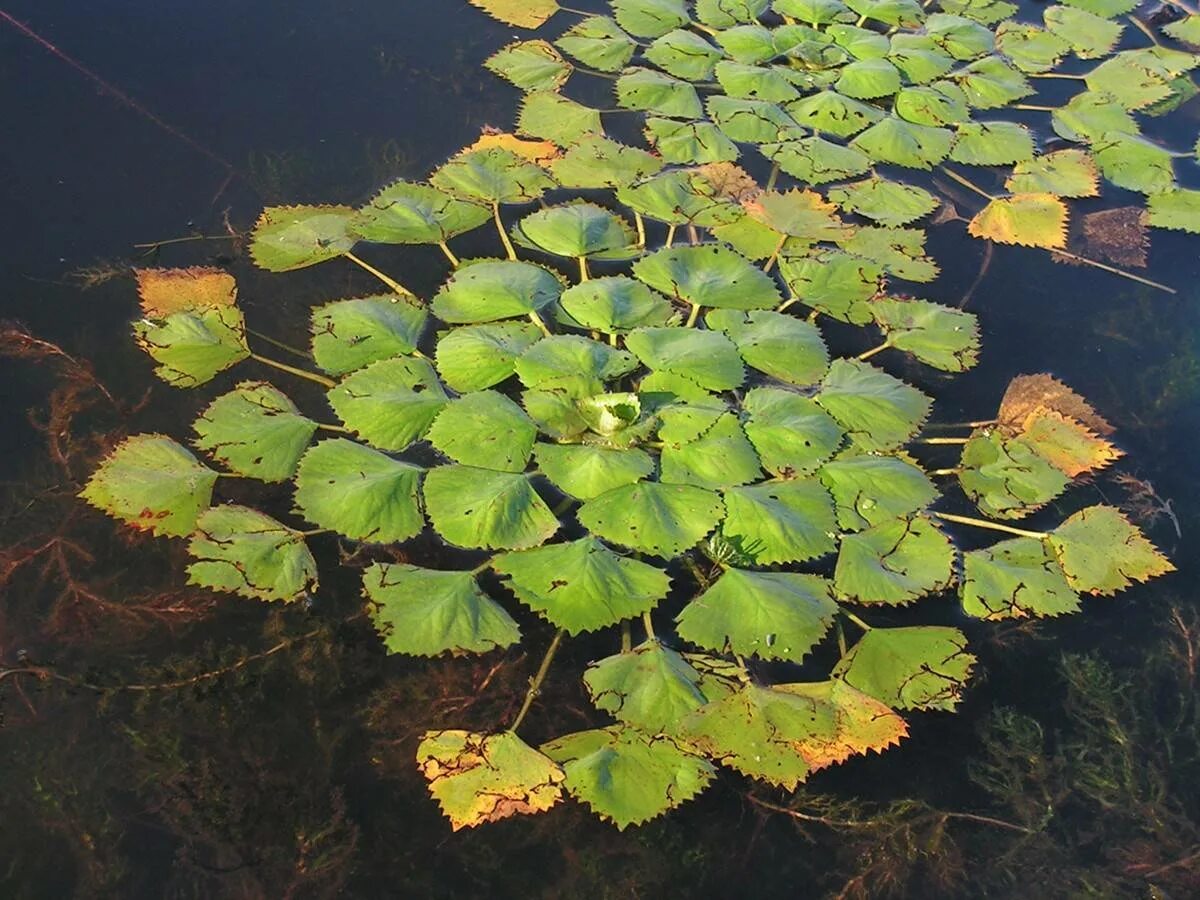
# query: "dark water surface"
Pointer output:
{"type": "Point", "coordinates": [292, 775]}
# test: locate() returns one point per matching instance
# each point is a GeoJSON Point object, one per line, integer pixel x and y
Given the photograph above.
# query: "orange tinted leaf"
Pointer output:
{"type": "Point", "coordinates": [167, 291]}
{"type": "Point", "coordinates": [860, 723]}
{"type": "Point", "coordinates": [522, 13]}
{"type": "Point", "coordinates": [1066, 444]}
{"type": "Point", "coordinates": [535, 151]}
{"type": "Point", "coordinates": [1027, 393]}
{"type": "Point", "coordinates": [1031, 220]}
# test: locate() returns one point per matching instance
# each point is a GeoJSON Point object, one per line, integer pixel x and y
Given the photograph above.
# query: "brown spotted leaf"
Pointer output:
{"type": "Point", "coordinates": [540, 152]}
{"type": "Point", "coordinates": [167, 291]}
{"type": "Point", "coordinates": [522, 13]}
{"type": "Point", "coordinates": [1067, 444]}
{"type": "Point", "coordinates": [1028, 393]}
{"type": "Point", "coordinates": [1031, 220]}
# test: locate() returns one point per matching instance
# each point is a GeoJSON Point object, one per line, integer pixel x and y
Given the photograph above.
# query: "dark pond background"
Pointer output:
{"type": "Point", "coordinates": [291, 776]}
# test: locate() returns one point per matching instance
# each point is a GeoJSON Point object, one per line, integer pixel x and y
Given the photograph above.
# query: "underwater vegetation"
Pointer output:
{"type": "Point", "coordinates": [688, 459]}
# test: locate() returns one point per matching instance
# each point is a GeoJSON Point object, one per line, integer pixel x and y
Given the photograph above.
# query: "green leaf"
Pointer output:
{"type": "Point", "coordinates": [1015, 579]}
{"type": "Point", "coordinates": [242, 551]}
{"type": "Point", "coordinates": [152, 483]}
{"type": "Point", "coordinates": [522, 13]}
{"type": "Point", "coordinates": [484, 429]}
{"type": "Point", "coordinates": [781, 522]}
{"type": "Point", "coordinates": [1007, 479]}
{"type": "Point", "coordinates": [1106, 8]}
{"type": "Point", "coordinates": [815, 12]}
{"type": "Point", "coordinates": [585, 471]}
{"type": "Point", "coordinates": [575, 364]}
{"type": "Point", "coordinates": [293, 237]}
{"type": "Point", "coordinates": [478, 356]}
{"type": "Point", "coordinates": [992, 144]}
{"type": "Point", "coordinates": [791, 433]}
{"type": "Point", "coordinates": [595, 161]}
{"type": "Point", "coordinates": [1030, 48]}
{"type": "Point", "coordinates": [832, 113]}
{"type": "Point", "coordinates": [658, 93]}
{"type": "Point", "coordinates": [868, 79]}
{"type": "Point", "coordinates": [684, 54]}
{"type": "Point", "coordinates": [407, 213]}
{"type": "Point", "coordinates": [902, 13]}
{"type": "Point", "coordinates": [817, 161]}
{"type": "Point", "coordinates": [1064, 173]}
{"type": "Point", "coordinates": [650, 687]}
{"type": "Point", "coordinates": [720, 457]}
{"type": "Point", "coordinates": [708, 275]}
{"type": "Point", "coordinates": [959, 36]}
{"type": "Point", "coordinates": [681, 196]}
{"type": "Point", "coordinates": [749, 237]}
{"type": "Point", "coordinates": [490, 510]}
{"type": "Point", "coordinates": [358, 492]}
{"type": "Point", "coordinates": [1186, 29]}
{"type": "Point", "coordinates": [690, 142]}
{"type": "Point", "coordinates": [782, 734]}
{"type": "Point", "coordinates": [1090, 36]}
{"type": "Point", "coordinates": [987, 12]}
{"type": "Point", "coordinates": [627, 777]}
{"type": "Point", "coordinates": [755, 83]}
{"type": "Point", "coordinates": [491, 290]}
{"type": "Point", "coordinates": [391, 403]}
{"type": "Point", "coordinates": [531, 66]}
{"type": "Point", "coordinates": [894, 563]}
{"type": "Point", "coordinates": [800, 214]}
{"type": "Point", "coordinates": [780, 345]}
{"type": "Point", "coordinates": [1134, 163]}
{"type": "Point", "coordinates": [650, 18]}
{"type": "Point", "coordinates": [901, 143]}
{"type": "Point", "coordinates": [886, 202]}
{"type": "Point", "coordinates": [256, 431]}
{"type": "Point", "coordinates": [706, 358]}
{"type": "Point", "coordinates": [582, 585]}
{"type": "Point", "coordinates": [553, 117]}
{"type": "Point", "coordinates": [939, 336]}
{"type": "Point", "coordinates": [923, 667]}
{"type": "Point", "coordinates": [577, 229]}
{"type": "Point", "coordinates": [919, 58]}
{"type": "Point", "coordinates": [614, 304]}
{"type": "Point", "coordinates": [423, 612]}
{"type": "Point", "coordinates": [659, 519]}
{"type": "Point", "coordinates": [724, 13]}
{"type": "Point", "coordinates": [556, 413]}
{"type": "Point", "coordinates": [1090, 114]}
{"type": "Point", "coordinates": [863, 43]}
{"type": "Point", "coordinates": [1128, 83]}
{"type": "Point", "coordinates": [350, 334]}
{"type": "Point", "coordinates": [1178, 209]}
{"type": "Point", "coordinates": [1102, 553]}
{"type": "Point", "coordinates": [191, 348]}
{"type": "Point", "coordinates": [493, 175]}
{"type": "Point", "coordinates": [879, 412]}
{"type": "Point", "coordinates": [871, 490]}
{"type": "Point", "coordinates": [478, 778]}
{"type": "Point", "coordinates": [751, 44]}
{"type": "Point", "coordinates": [942, 104]}
{"type": "Point", "coordinates": [597, 41]}
{"type": "Point", "coordinates": [991, 83]}
{"type": "Point", "coordinates": [899, 251]}
{"type": "Point", "coordinates": [834, 283]}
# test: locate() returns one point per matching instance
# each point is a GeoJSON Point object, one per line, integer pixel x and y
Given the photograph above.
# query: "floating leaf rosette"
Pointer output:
{"type": "Point", "coordinates": [683, 449]}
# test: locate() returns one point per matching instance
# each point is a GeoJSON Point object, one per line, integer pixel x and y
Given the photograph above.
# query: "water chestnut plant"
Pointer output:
{"type": "Point", "coordinates": [647, 437]}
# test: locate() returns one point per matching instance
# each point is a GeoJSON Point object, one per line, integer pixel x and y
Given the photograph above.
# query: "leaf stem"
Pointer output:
{"type": "Point", "coordinates": [869, 353]}
{"type": "Point", "coordinates": [670, 236]}
{"type": "Point", "coordinates": [1061, 75]}
{"type": "Point", "coordinates": [939, 440]}
{"type": "Point", "coordinates": [1115, 271]}
{"type": "Point", "coordinates": [267, 339]}
{"type": "Point", "coordinates": [540, 323]}
{"type": "Point", "coordinates": [292, 370]}
{"type": "Point", "coordinates": [773, 177]}
{"type": "Point", "coordinates": [337, 429]}
{"type": "Point", "coordinates": [967, 184]}
{"type": "Point", "coordinates": [943, 472]}
{"type": "Point", "coordinates": [649, 623]}
{"type": "Point", "coordinates": [992, 526]}
{"type": "Point", "coordinates": [693, 315]}
{"type": "Point", "coordinates": [626, 637]}
{"type": "Point", "coordinates": [386, 279]}
{"type": "Point", "coordinates": [855, 619]}
{"type": "Point", "coordinates": [1033, 107]}
{"type": "Point", "coordinates": [535, 682]}
{"type": "Point", "coordinates": [583, 269]}
{"type": "Point", "coordinates": [770, 263]}
{"type": "Point", "coordinates": [508, 246]}
{"type": "Point", "coordinates": [454, 260]}
{"type": "Point", "coordinates": [693, 234]}
{"type": "Point", "coordinates": [641, 229]}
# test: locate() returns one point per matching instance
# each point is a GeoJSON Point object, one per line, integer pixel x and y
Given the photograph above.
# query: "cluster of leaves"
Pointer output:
{"type": "Point", "coordinates": [668, 427]}
{"type": "Point", "coordinates": [829, 91]}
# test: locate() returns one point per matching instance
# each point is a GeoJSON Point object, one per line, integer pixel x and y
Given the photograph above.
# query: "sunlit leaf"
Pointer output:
{"type": "Point", "coordinates": [255, 430]}
{"type": "Point", "coordinates": [863, 43]}
{"type": "Point", "coordinates": [491, 290]}
{"type": "Point", "coordinates": [781, 522]}
{"type": "Point", "coordinates": [1064, 173]}
{"type": "Point", "coordinates": [1030, 48]}
{"type": "Point", "coordinates": [627, 777]}
{"type": "Point", "coordinates": [350, 334]}
{"type": "Point", "coordinates": [575, 364]}
{"type": "Point", "coordinates": [651, 687]}
{"type": "Point", "coordinates": [942, 104]}
{"type": "Point", "coordinates": [791, 433]}
{"type": "Point", "coordinates": [752, 121]}
{"type": "Point", "coordinates": [1106, 8]}
{"type": "Point", "coordinates": [1186, 29]}
{"type": "Point", "coordinates": [1134, 163]}
{"type": "Point", "coordinates": [495, 175]}
{"type": "Point", "coordinates": [1031, 220]}
{"type": "Point", "coordinates": [478, 778]}
{"type": "Point", "coordinates": [690, 142]}
{"type": "Point", "coordinates": [987, 12]}
{"type": "Point", "coordinates": [817, 161]}
{"type": "Point", "coordinates": [522, 13]}
{"type": "Point", "coordinates": [940, 336]}
{"type": "Point", "coordinates": [424, 612]}
{"type": "Point", "coordinates": [680, 196]}
{"type": "Point", "coordinates": [577, 229]}
{"type": "Point", "coordinates": [724, 13]}
{"type": "Point", "coordinates": [659, 519]}
{"type": "Point", "coordinates": [1066, 444]}
{"type": "Point", "coordinates": [484, 429]}
{"type": "Point", "coordinates": [359, 492]}
{"type": "Point", "coordinates": [658, 93]}
{"type": "Point", "coordinates": [755, 83]}
{"type": "Point", "coordinates": [959, 36]}
{"type": "Point", "coordinates": [1015, 579]}
{"type": "Point", "coordinates": [832, 113]}
{"type": "Point", "coordinates": [166, 291]}
{"type": "Point", "coordinates": [152, 483]}
{"type": "Point", "coordinates": [1101, 552]}
{"type": "Point", "coordinates": [991, 83]}
{"type": "Point", "coordinates": [391, 403]}
{"type": "Point", "coordinates": [614, 304]}
{"type": "Point", "coordinates": [482, 508]}
{"type": "Point", "coordinates": [780, 345]}
{"type": "Point", "coordinates": [1128, 82]}
{"type": "Point", "coordinates": [1007, 479]}
{"type": "Point", "coordinates": [902, 13]}
{"type": "Point", "coordinates": [919, 58]}
{"type": "Point", "coordinates": [751, 44]}
{"type": "Point", "coordinates": [870, 490]}
{"type": "Point", "coordinates": [894, 563]}
{"type": "Point", "coordinates": [650, 18]}
{"type": "Point", "coordinates": [1028, 394]}
{"type": "Point", "coordinates": [899, 251]}
{"type": "Point", "coordinates": [585, 471]}
{"type": "Point", "coordinates": [1090, 36]}
{"type": "Point", "coordinates": [720, 456]}
{"type": "Point", "coordinates": [886, 202]}
{"type": "Point", "coordinates": [191, 348]}
{"type": "Point", "coordinates": [479, 356]}
{"type": "Point", "coordinates": [242, 551]}
{"type": "Point", "coordinates": [1090, 114]}
{"type": "Point", "coordinates": [798, 213]}
{"type": "Point", "coordinates": [923, 667]}
{"type": "Point", "coordinates": [892, 140]}
{"type": "Point", "coordinates": [684, 54]}
{"type": "Point", "coordinates": [531, 66]}
{"type": "Point", "coordinates": [709, 359]}
{"type": "Point", "coordinates": [582, 585]}
{"type": "Point", "coordinates": [293, 237]}
{"type": "Point", "coordinates": [992, 144]}
{"type": "Point", "coordinates": [595, 161]}
{"type": "Point", "coordinates": [878, 411]}
{"type": "Point", "coordinates": [834, 283]}
{"type": "Point", "coordinates": [553, 117]}
{"type": "Point", "coordinates": [407, 213]}
{"type": "Point", "coordinates": [598, 41]}
{"type": "Point", "coordinates": [1178, 209]}
{"type": "Point", "coordinates": [814, 12]}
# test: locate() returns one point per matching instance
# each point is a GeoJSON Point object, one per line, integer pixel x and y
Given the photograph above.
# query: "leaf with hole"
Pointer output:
{"type": "Point", "coordinates": [531, 66]}
{"type": "Point", "coordinates": [294, 237]}
{"type": "Point", "coordinates": [894, 563]}
{"type": "Point", "coordinates": [650, 687]}
{"type": "Point", "coordinates": [256, 431]}
{"type": "Point", "coordinates": [870, 490]}
{"type": "Point", "coordinates": [192, 348]}
{"type": "Point", "coordinates": [659, 519]}
{"type": "Point", "coordinates": [487, 509]}
{"type": "Point", "coordinates": [244, 552]}
{"type": "Point", "coordinates": [781, 522]}
{"type": "Point", "coordinates": [1007, 479]}
{"type": "Point", "coordinates": [407, 213]}
{"type": "Point", "coordinates": [921, 667]}
{"type": "Point", "coordinates": [350, 334]}
{"type": "Point", "coordinates": [791, 433]}
{"type": "Point", "coordinates": [1031, 220]}
{"type": "Point", "coordinates": [1015, 579]}
{"type": "Point", "coordinates": [391, 403]}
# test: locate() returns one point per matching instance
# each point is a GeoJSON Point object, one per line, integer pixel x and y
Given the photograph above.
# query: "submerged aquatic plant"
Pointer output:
{"type": "Point", "coordinates": [661, 433]}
